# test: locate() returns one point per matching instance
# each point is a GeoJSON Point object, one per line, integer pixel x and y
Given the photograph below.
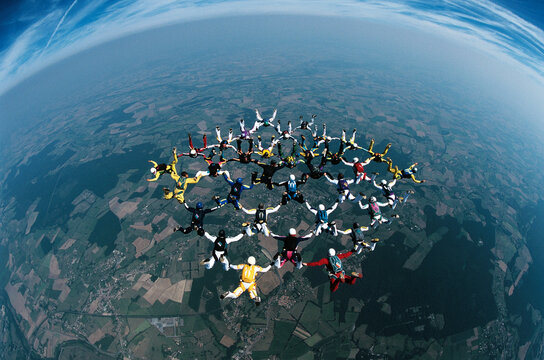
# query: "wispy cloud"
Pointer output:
{"type": "Point", "coordinates": [479, 23]}
{"type": "Point", "coordinates": [59, 24]}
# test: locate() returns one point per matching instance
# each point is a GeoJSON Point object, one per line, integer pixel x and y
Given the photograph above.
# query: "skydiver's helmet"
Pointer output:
{"type": "Point", "coordinates": [200, 232]}
{"type": "Point", "coordinates": [272, 162]}
{"type": "Point", "coordinates": [414, 170]}
{"type": "Point", "coordinates": [372, 199]}
{"type": "Point", "coordinates": [292, 177]}
{"type": "Point", "coordinates": [193, 152]}
{"type": "Point", "coordinates": [261, 206]}
{"type": "Point", "coordinates": [355, 225]}
{"type": "Point", "coordinates": [292, 232]}
{"type": "Point", "coordinates": [251, 260]}
{"type": "Point", "coordinates": [384, 182]}
{"type": "Point", "coordinates": [355, 160]}
{"type": "Point", "coordinates": [332, 252]}
{"type": "Point", "coordinates": [199, 205]}
{"type": "Point", "coordinates": [224, 144]}
{"type": "Point", "coordinates": [153, 170]}
{"type": "Point", "coordinates": [245, 134]}
{"type": "Point", "coordinates": [239, 180]}
{"type": "Point", "coordinates": [321, 207]}
{"type": "Point", "coordinates": [221, 233]}
{"type": "Point", "coordinates": [340, 176]}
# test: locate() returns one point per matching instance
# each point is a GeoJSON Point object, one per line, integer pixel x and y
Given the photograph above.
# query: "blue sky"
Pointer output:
{"type": "Point", "coordinates": [35, 33]}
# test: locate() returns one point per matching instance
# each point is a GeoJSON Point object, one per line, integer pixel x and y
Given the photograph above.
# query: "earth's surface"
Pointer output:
{"type": "Point", "coordinates": [91, 267]}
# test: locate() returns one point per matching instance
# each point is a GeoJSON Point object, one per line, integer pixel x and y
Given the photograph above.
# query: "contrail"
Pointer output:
{"type": "Point", "coordinates": [59, 24]}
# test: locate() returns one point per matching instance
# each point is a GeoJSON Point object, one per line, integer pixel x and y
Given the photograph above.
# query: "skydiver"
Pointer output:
{"type": "Point", "coordinates": [408, 173]}
{"type": "Point", "coordinates": [268, 171]}
{"type": "Point", "coordinates": [158, 169]}
{"type": "Point", "coordinates": [358, 237]}
{"type": "Point", "coordinates": [322, 219]}
{"type": "Point", "coordinates": [291, 189]}
{"type": "Point", "coordinates": [285, 134]}
{"type": "Point", "coordinates": [244, 157]}
{"type": "Point", "coordinates": [359, 169]}
{"type": "Point", "coordinates": [220, 244]}
{"type": "Point", "coordinates": [266, 123]}
{"type": "Point", "coordinates": [195, 152]}
{"type": "Point", "coordinates": [336, 157]}
{"type": "Point", "coordinates": [245, 134]}
{"type": "Point", "coordinates": [290, 160]}
{"type": "Point", "coordinates": [305, 125]}
{"type": "Point", "coordinates": [247, 280]}
{"type": "Point", "coordinates": [181, 186]}
{"type": "Point", "coordinates": [222, 145]}
{"type": "Point", "coordinates": [214, 168]}
{"type": "Point", "coordinates": [336, 271]}
{"type": "Point", "coordinates": [377, 157]}
{"type": "Point", "coordinates": [342, 186]}
{"type": "Point", "coordinates": [261, 216]}
{"type": "Point", "coordinates": [265, 153]}
{"type": "Point", "coordinates": [289, 251]}
{"type": "Point", "coordinates": [375, 213]}
{"type": "Point", "coordinates": [197, 219]}
{"type": "Point", "coordinates": [387, 191]}
{"type": "Point", "coordinates": [236, 189]}
{"type": "Point", "coordinates": [352, 144]}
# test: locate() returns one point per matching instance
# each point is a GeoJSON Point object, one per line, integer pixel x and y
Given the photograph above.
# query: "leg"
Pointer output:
{"type": "Point", "coordinates": [190, 142]}
{"type": "Point", "coordinates": [218, 134]}
{"type": "Point", "coordinates": [386, 149]}
{"type": "Point", "coordinates": [352, 140]}
{"type": "Point", "coordinates": [205, 141]}
{"type": "Point", "coordinates": [265, 230]}
{"type": "Point", "coordinates": [210, 262]}
{"type": "Point", "coordinates": [225, 262]}
{"type": "Point", "coordinates": [334, 283]}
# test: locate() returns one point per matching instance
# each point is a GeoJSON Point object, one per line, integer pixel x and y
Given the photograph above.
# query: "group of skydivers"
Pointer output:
{"type": "Point", "coordinates": [304, 151]}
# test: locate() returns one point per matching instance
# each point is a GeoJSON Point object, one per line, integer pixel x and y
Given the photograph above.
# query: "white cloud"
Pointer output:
{"type": "Point", "coordinates": [480, 24]}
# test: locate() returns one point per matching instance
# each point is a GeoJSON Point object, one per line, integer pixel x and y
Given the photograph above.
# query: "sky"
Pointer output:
{"type": "Point", "coordinates": [35, 34]}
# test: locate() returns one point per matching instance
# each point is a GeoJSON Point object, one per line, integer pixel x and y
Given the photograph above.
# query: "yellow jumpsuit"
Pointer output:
{"type": "Point", "coordinates": [378, 157]}
{"type": "Point", "coordinates": [247, 279]}
{"type": "Point", "coordinates": [397, 174]}
{"type": "Point", "coordinates": [181, 186]}
{"type": "Point", "coordinates": [170, 169]}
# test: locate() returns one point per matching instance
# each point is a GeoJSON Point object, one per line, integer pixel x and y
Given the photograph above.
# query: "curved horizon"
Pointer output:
{"type": "Point", "coordinates": [61, 33]}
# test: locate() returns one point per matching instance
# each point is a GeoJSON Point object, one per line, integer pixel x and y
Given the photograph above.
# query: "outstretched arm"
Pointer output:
{"type": "Point", "coordinates": [263, 270]}
{"type": "Point", "coordinates": [227, 179]}
{"type": "Point", "coordinates": [323, 261]}
{"type": "Point", "coordinates": [381, 204]}
{"type": "Point", "coordinates": [310, 208]}
{"type": "Point", "coordinates": [365, 206]}
{"type": "Point", "coordinates": [237, 267]}
{"type": "Point", "coordinates": [333, 207]}
{"type": "Point", "coordinates": [210, 237]}
{"type": "Point", "coordinates": [346, 162]}
{"type": "Point", "coordinates": [345, 232]}
{"type": "Point", "coordinates": [234, 238]}
{"type": "Point", "coordinates": [249, 212]}
{"type": "Point", "coordinates": [345, 255]}
{"type": "Point", "coordinates": [376, 185]}
{"type": "Point", "coordinates": [273, 210]}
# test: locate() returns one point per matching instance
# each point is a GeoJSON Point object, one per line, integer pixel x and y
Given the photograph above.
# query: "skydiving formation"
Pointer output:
{"type": "Point", "coordinates": [317, 152]}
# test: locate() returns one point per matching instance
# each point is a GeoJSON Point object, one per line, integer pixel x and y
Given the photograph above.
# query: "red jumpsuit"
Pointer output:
{"type": "Point", "coordinates": [336, 278]}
